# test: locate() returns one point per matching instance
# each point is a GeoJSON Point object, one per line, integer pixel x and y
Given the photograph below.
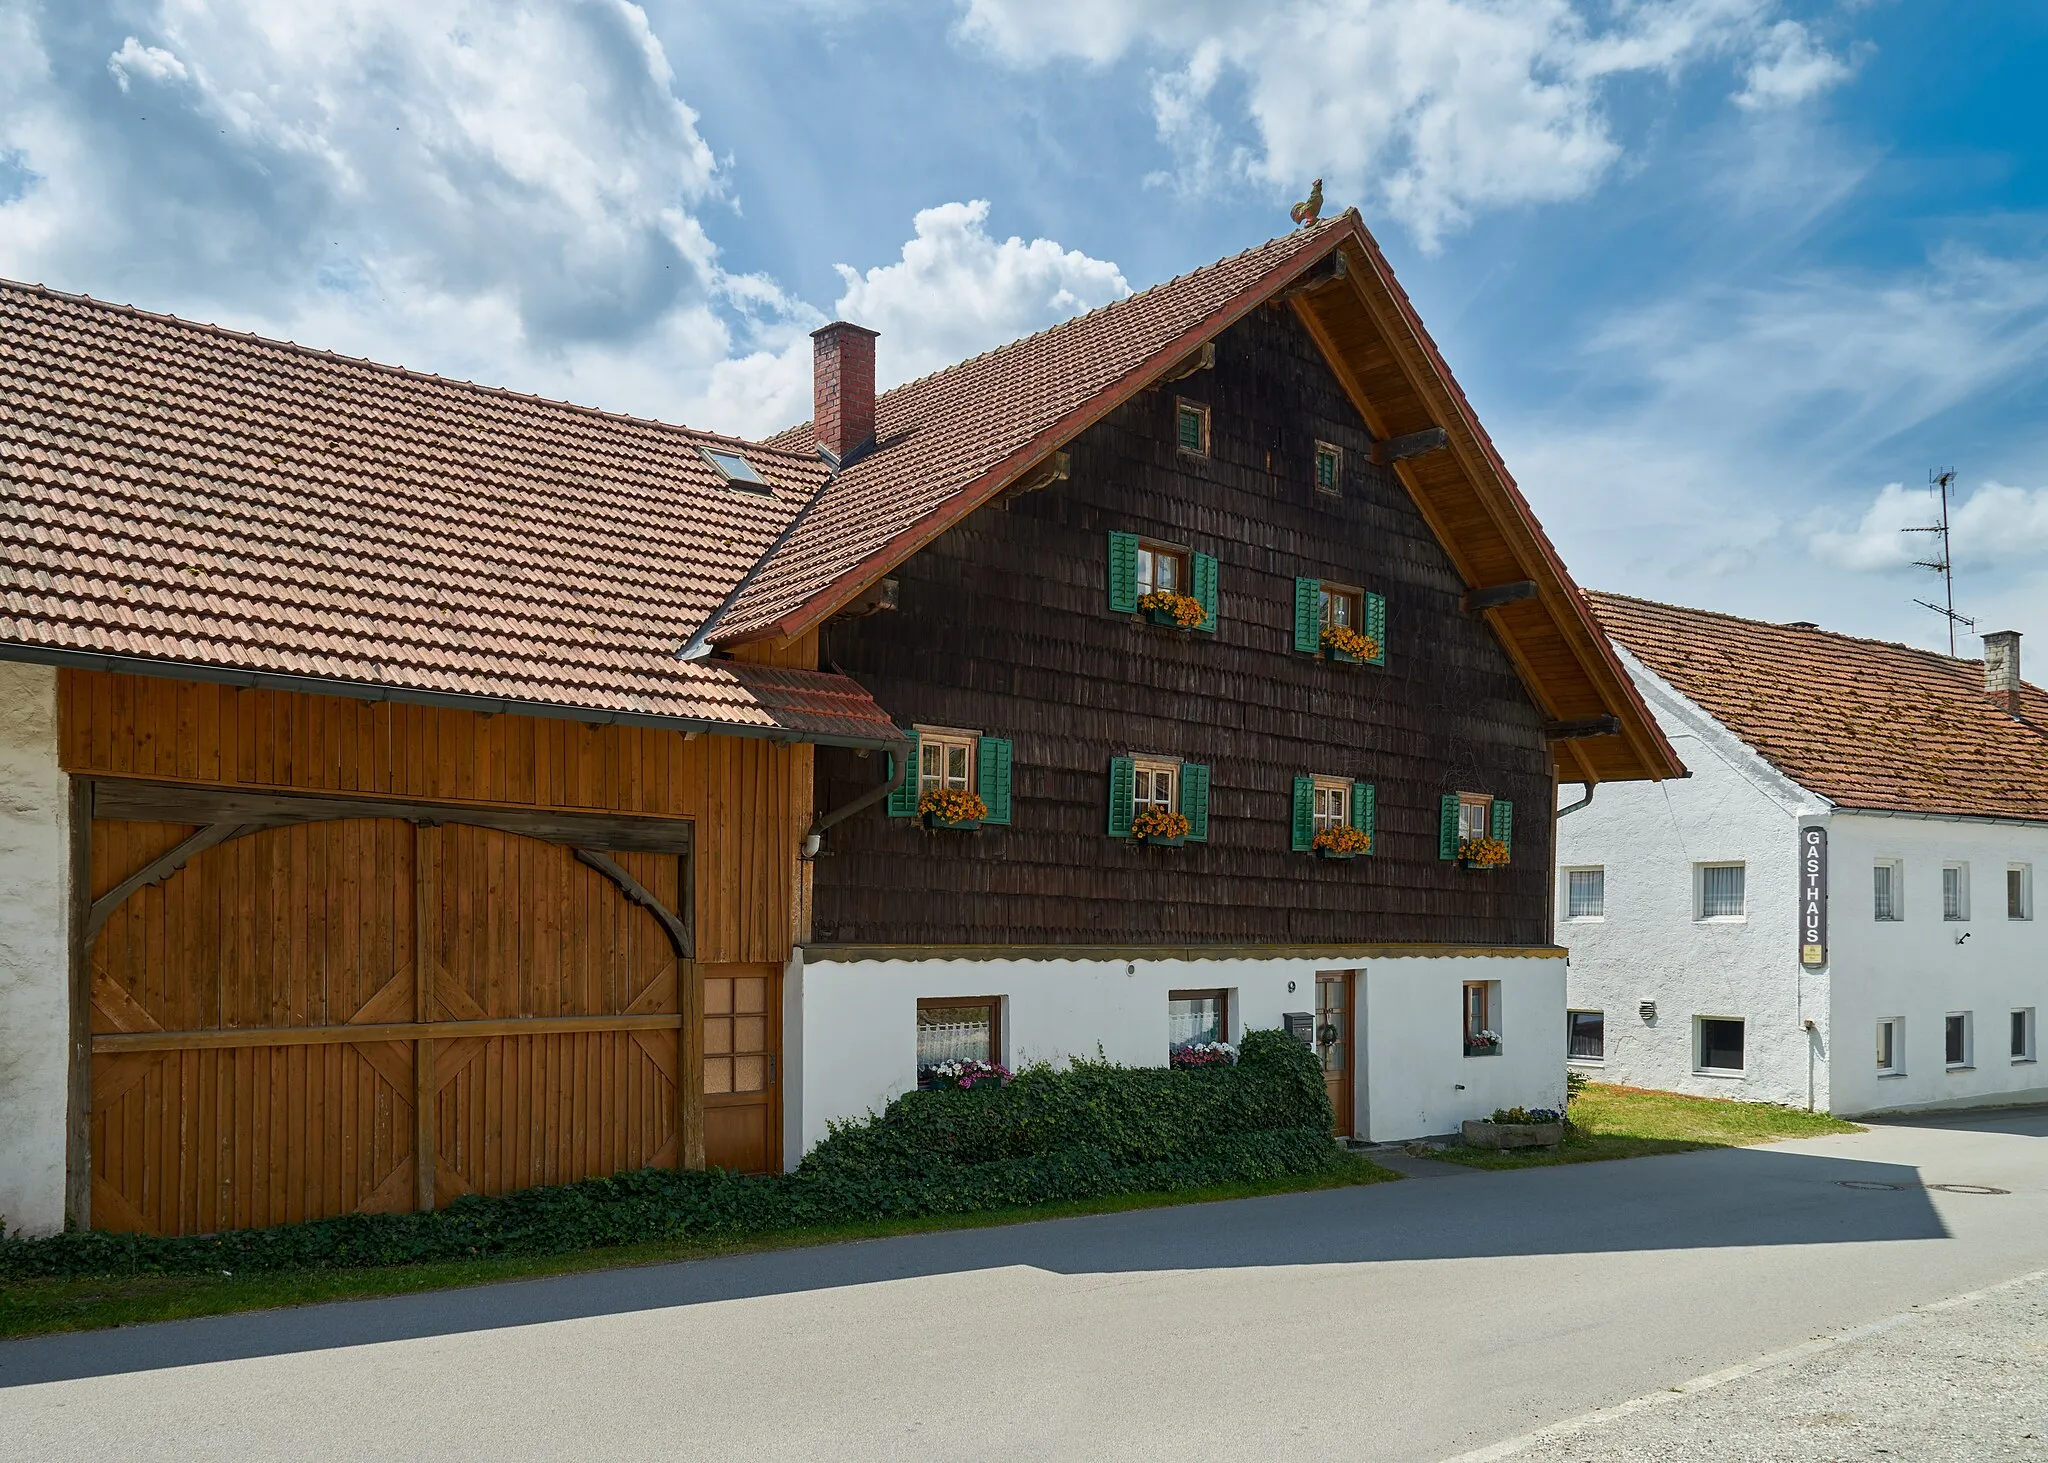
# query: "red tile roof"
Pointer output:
{"type": "Point", "coordinates": [1865, 723]}
{"type": "Point", "coordinates": [194, 497]}
{"type": "Point", "coordinates": [984, 420]}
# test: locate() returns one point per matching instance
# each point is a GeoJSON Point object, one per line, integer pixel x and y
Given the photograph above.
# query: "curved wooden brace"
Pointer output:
{"type": "Point", "coordinates": [159, 869]}
{"type": "Point", "coordinates": [679, 935]}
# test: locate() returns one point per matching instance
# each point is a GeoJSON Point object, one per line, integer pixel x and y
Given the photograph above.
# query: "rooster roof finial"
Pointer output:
{"type": "Point", "coordinates": [1310, 208]}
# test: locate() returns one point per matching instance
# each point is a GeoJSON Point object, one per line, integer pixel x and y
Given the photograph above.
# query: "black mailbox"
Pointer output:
{"type": "Point", "coordinates": [1301, 1025]}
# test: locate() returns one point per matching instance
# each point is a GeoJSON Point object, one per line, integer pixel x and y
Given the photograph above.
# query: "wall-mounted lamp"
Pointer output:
{"type": "Point", "coordinates": [1962, 937]}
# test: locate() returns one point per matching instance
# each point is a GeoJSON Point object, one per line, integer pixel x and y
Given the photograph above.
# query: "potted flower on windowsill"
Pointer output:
{"type": "Point", "coordinates": [1483, 1044]}
{"type": "Point", "coordinates": [1202, 1054]}
{"type": "Point", "coordinates": [1341, 642]}
{"type": "Point", "coordinates": [1158, 826]}
{"type": "Point", "coordinates": [1164, 607]}
{"type": "Point", "coordinates": [951, 808]}
{"type": "Point", "coordinates": [1482, 853]}
{"type": "Point", "coordinates": [1342, 841]}
{"type": "Point", "coordinates": [965, 1075]}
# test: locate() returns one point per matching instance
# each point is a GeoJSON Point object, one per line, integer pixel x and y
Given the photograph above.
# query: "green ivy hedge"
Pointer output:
{"type": "Point", "coordinates": [1087, 1131]}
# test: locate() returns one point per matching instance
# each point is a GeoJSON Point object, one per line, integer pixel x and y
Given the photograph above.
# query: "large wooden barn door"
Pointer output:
{"type": "Point", "coordinates": [353, 1014]}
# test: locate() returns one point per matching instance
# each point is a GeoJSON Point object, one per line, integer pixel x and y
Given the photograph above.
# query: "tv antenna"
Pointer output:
{"type": "Point", "coordinates": [1941, 482]}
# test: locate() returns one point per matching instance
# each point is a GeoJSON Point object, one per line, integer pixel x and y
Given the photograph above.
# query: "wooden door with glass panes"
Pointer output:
{"type": "Point", "coordinates": [1335, 1044]}
{"type": "Point", "coordinates": [742, 1057]}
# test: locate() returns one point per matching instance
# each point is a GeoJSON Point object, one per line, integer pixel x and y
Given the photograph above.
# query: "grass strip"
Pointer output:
{"type": "Point", "coordinates": [1632, 1122]}
{"type": "Point", "coordinates": [85, 1303]}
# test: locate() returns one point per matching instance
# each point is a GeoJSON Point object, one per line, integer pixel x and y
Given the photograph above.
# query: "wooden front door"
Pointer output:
{"type": "Point", "coordinates": [357, 1014]}
{"type": "Point", "coordinates": [742, 1054]}
{"type": "Point", "coordinates": [1336, 1044]}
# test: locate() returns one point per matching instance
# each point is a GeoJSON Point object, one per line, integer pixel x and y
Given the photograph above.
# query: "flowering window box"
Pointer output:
{"type": "Point", "coordinates": [951, 808]}
{"type": "Point", "coordinates": [1202, 1054]}
{"type": "Point", "coordinates": [1159, 827]}
{"type": "Point", "coordinates": [964, 1076]}
{"type": "Point", "coordinates": [1347, 646]}
{"type": "Point", "coordinates": [1342, 841]}
{"type": "Point", "coordinates": [1176, 611]}
{"type": "Point", "coordinates": [1482, 853]}
{"type": "Point", "coordinates": [1485, 1044]}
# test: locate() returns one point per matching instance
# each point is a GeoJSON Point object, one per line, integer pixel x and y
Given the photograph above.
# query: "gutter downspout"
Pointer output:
{"type": "Point", "coordinates": [899, 769]}
{"type": "Point", "coordinates": [1585, 801]}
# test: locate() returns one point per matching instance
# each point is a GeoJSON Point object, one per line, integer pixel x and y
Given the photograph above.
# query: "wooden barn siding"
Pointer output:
{"type": "Point", "coordinates": [750, 798]}
{"type": "Point", "coordinates": [1004, 626]}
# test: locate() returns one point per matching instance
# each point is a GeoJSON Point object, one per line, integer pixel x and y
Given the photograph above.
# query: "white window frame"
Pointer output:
{"type": "Point", "coordinates": [1699, 893]}
{"type": "Point", "coordinates": [1578, 1061]}
{"type": "Point", "coordinates": [2027, 1052]}
{"type": "Point", "coordinates": [942, 739]}
{"type": "Point", "coordinates": [1475, 815]}
{"type": "Point", "coordinates": [1961, 904]}
{"type": "Point", "coordinates": [1897, 1026]}
{"type": "Point", "coordinates": [1699, 1067]}
{"type": "Point", "coordinates": [1897, 868]}
{"type": "Point", "coordinates": [1144, 771]}
{"type": "Point", "coordinates": [2026, 891]}
{"type": "Point", "coordinates": [1586, 919]}
{"type": "Point", "coordinates": [1330, 805]}
{"type": "Point", "coordinates": [1969, 1061]}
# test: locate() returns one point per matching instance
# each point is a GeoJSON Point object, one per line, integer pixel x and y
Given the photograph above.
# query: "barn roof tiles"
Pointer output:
{"type": "Point", "coordinates": [1864, 723]}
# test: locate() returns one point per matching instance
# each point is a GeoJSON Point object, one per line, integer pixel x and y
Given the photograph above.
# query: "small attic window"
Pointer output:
{"type": "Point", "coordinates": [736, 470]}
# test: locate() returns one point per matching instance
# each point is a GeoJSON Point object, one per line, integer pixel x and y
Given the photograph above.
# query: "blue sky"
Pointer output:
{"type": "Point", "coordinates": [1724, 278]}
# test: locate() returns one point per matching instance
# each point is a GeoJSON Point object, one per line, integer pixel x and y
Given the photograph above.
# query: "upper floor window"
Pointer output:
{"type": "Point", "coordinates": [1720, 891]}
{"type": "Point", "coordinates": [1475, 815]}
{"type": "Point", "coordinates": [945, 760]}
{"type": "Point", "coordinates": [1341, 606]}
{"type": "Point", "coordinates": [2019, 892]}
{"type": "Point", "coordinates": [1585, 894]}
{"type": "Point", "coordinates": [1332, 803]}
{"type": "Point", "coordinates": [1329, 467]}
{"type": "Point", "coordinates": [1955, 891]}
{"type": "Point", "coordinates": [951, 760]}
{"type": "Point", "coordinates": [1149, 797]}
{"type": "Point", "coordinates": [1477, 829]}
{"type": "Point", "coordinates": [1191, 427]}
{"type": "Point", "coordinates": [1887, 880]}
{"type": "Point", "coordinates": [1158, 786]}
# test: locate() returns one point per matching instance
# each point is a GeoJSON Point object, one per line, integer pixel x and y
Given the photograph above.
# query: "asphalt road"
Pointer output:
{"type": "Point", "coordinates": [1416, 1320]}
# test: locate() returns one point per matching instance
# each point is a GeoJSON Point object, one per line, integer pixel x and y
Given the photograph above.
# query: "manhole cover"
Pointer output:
{"type": "Point", "coordinates": [1867, 1184]}
{"type": "Point", "coordinates": [1968, 1189]}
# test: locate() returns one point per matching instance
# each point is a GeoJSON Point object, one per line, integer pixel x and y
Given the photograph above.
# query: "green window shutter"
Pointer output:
{"type": "Point", "coordinates": [1304, 814]}
{"type": "Point", "coordinates": [1504, 822]}
{"type": "Point", "coordinates": [1204, 574]}
{"type": "Point", "coordinates": [1447, 828]}
{"type": "Point", "coordinates": [1194, 800]}
{"type": "Point", "coordinates": [1308, 615]}
{"type": "Point", "coordinates": [1123, 573]}
{"type": "Point", "coordinates": [1123, 792]}
{"type": "Point", "coordinates": [1364, 811]}
{"type": "Point", "coordinates": [903, 801]}
{"type": "Point", "coordinates": [992, 776]}
{"type": "Point", "coordinates": [1376, 625]}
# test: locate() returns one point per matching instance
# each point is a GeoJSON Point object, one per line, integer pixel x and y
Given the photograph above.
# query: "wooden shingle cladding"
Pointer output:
{"type": "Point", "coordinates": [523, 1017]}
{"type": "Point", "coordinates": [1004, 625]}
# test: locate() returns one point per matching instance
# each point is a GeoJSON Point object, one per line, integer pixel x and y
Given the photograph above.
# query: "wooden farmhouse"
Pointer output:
{"type": "Point", "coordinates": [414, 789]}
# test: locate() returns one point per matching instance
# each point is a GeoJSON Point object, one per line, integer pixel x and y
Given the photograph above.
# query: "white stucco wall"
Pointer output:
{"type": "Point", "coordinates": [1916, 969]}
{"type": "Point", "coordinates": [852, 1027]}
{"type": "Point", "coordinates": [34, 1000]}
{"type": "Point", "coordinates": [1649, 947]}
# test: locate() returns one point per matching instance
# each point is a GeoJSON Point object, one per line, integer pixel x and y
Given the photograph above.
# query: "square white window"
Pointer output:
{"type": "Point", "coordinates": [2019, 891]}
{"type": "Point", "coordinates": [1955, 891]}
{"type": "Point", "coordinates": [1475, 816]}
{"type": "Point", "coordinates": [1585, 1036]}
{"type": "Point", "coordinates": [1718, 1042]}
{"type": "Point", "coordinates": [1585, 893]}
{"type": "Point", "coordinates": [945, 760]}
{"type": "Point", "coordinates": [1332, 806]}
{"type": "Point", "coordinates": [1887, 890]}
{"type": "Point", "coordinates": [2023, 1035]}
{"type": "Point", "coordinates": [1891, 1047]}
{"type": "Point", "coordinates": [1156, 785]}
{"type": "Point", "coordinates": [956, 1030]}
{"type": "Point", "coordinates": [1720, 891]}
{"type": "Point", "coordinates": [1957, 1040]}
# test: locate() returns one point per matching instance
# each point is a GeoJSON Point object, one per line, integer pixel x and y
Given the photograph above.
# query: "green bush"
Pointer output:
{"type": "Point", "coordinates": [1087, 1131]}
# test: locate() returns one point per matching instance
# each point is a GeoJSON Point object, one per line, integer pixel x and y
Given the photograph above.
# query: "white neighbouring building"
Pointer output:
{"type": "Point", "coordinates": [1691, 965]}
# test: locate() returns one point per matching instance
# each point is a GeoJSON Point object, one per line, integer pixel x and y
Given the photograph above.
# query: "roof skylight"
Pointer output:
{"type": "Point", "coordinates": [736, 470]}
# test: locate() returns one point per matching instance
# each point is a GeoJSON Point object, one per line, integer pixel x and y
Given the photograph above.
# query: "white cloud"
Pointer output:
{"type": "Point", "coordinates": [1995, 526]}
{"type": "Point", "coordinates": [147, 61]}
{"type": "Point", "coordinates": [1435, 110]}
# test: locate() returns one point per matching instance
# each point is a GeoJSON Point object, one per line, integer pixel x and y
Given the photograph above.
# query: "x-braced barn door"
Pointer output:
{"type": "Point", "coordinates": [302, 1008]}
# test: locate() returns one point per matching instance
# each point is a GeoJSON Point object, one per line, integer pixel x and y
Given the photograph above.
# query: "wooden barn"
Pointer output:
{"type": "Point", "coordinates": [366, 842]}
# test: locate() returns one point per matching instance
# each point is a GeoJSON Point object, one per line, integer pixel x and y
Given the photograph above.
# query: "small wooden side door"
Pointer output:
{"type": "Point", "coordinates": [1336, 1044]}
{"type": "Point", "coordinates": [742, 1058]}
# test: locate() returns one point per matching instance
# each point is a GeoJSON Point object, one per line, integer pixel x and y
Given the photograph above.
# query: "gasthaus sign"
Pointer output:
{"type": "Point", "coordinates": [1813, 896]}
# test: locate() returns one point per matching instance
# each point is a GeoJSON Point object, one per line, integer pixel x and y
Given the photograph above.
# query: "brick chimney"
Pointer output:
{"type": "Point", "coordinates": [843, 388]}
{"type": "Point", "coordinates": [2002, 669]}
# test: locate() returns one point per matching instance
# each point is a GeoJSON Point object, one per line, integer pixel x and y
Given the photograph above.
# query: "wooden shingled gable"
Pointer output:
{"type": "Point", "coordinates": [949, 443]}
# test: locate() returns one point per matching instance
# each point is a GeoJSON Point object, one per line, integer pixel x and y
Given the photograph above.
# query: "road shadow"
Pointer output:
{"type": "Point", "coordinates": [2030, 1121]}
{"type": "Point", "coordinates": [1710, 1199]}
